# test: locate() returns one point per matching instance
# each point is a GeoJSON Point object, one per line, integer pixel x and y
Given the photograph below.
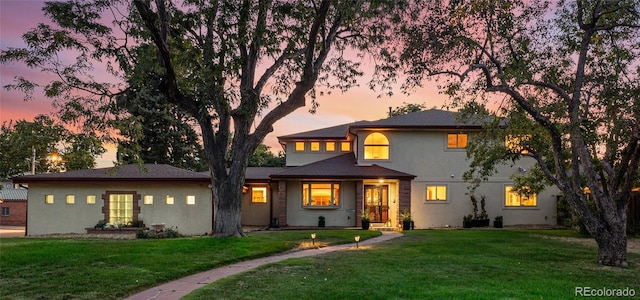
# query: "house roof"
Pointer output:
{"type": "Point", "coordinates": [432, 118]}
{"type": "Point", "coordinates": [13, 194]}
{"type": "Point", "coordinates": [334, 132]}
{"type": "Point", "coordinates": [261, 173]}
{"type": "Point", "coordinates": [427, 119]}
{"type": "Point", "coordinates": [130, 173]}
{"type": "Point", "coordinates": [341, 167]}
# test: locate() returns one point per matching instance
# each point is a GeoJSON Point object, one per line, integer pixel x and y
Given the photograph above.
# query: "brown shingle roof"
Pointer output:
{"type": "Point", "coordinates": [341, 167]}
{"type": "Point", "coordinates": [146, 172]}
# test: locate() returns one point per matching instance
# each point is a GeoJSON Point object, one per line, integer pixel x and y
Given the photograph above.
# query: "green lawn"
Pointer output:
{"type": "Point", "coordinates": [45, 268]}
{"type": "Point", "coordinates": [437, 264]}
{"type": "Point", "coordinates": [429, 264]}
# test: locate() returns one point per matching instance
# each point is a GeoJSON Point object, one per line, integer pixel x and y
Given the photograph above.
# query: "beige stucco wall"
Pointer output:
{"type": "Point", "coordinates": [425, 154]}
{"type": "Point", "coordinates": [60, 217]}
{"type": "Point", "coordinates": [342, 216]}
{"type": "Point", "coordinates": [300, 158]}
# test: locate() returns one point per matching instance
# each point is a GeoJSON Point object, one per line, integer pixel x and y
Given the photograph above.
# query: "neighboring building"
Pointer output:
{"type": "Point", "coordinates": [412, 163]}
{"type": "Point", "coordinates": [13, 205]}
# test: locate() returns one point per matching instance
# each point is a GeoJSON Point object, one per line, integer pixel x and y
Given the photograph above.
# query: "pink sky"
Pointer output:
{"type": "Point", "coordinates": [18, 16]}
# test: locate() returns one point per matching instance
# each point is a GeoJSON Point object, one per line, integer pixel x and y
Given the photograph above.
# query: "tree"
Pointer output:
{"type": "Point", "coordinates": [223, 63]}
{"type": "Point", "coordinates": [163, 135]}
{"type": "Point", "coordinates": [55, 147]}
{"type": "Point", "coordinates": [571, 92]}
{"type": "Point", "coordinates": [406, 108]}
{"type": "Point", "coordinates": [263, 157]}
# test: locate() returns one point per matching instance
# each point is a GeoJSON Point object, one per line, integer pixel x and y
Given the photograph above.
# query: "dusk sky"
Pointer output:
{"type": "Point", "coordinates": [18, 16]}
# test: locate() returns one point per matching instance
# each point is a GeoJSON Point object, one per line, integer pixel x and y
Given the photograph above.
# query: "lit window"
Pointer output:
{"type": "Point", "coordinates": [91, 199]}
{"type": "Point", "coordinates": [320, 194]}
{"type": "Point", "coordinates": [259, 195]}
{"type": "Point", "coordinates": [48, 199]}
{"type": "Point", "coordinates": [330, 146]}
{"type": "Point", "coordinates": [71, 199]}
{"type": "Point", "coordinates": [436, 193]}
{"type": "Point", "coordinates": [514, 199]}
{"type": "Point", "coordinates": [376, 146]}
{"type": "Point", "coordinates": [457, 140]}
{"type": "Point", "coordinates": [315, 146]}
{"type": "Point", "coordinates": [120, 208]}
{"type": "Point", "coordinates": [5, 211]}
{"type": "Point", "coordinates": [147, 200]}
{"type": "Point", "coordinates": [513, 143]}
{"type": "Point", "coordinates": [191, 200]}
{"type": "Point", "coordinates": [169, 200]}
{"type": "Point", "coordinates": [299, 146]}
{"type": "Point", "coordinates": [345, 146]}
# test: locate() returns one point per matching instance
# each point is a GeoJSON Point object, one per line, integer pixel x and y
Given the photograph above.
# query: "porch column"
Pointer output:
{"type": "Point", "coordinates": [405, 196]}
{"type": "Point", "coordinates": [282, 203]}
{"type": "Point", "coordinates": [359, 201]}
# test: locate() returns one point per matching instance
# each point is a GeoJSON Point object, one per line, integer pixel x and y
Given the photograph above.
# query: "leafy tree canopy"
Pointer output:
{"type": "Point", "coordinates": [565, 77]}
{"type": "Point", "coordinates": [56, 148]}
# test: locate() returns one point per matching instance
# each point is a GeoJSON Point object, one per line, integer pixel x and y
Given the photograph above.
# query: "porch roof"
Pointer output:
{"type": "Point", "coordinates": [340, 167]}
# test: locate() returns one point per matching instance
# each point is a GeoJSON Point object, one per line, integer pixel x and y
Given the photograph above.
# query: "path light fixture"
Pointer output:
{"type": "Point", "coordinates": [357, 238]}
{"type": "Point", "coordinates": [313, 238]}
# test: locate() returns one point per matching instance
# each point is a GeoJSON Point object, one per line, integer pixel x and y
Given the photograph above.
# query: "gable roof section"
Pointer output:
{"type": "Point", "coordinates": [432, 118]}
{"type": "Point", "coordinates": [127, 173]}
{"type": "Point", "coordinates": [334, 132]}
{"type": "Point", "coordinates": [340, 167]}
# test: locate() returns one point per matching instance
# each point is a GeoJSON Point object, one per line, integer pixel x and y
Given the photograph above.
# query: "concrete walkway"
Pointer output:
{"type": "Point", "coordinates": [178, 288]}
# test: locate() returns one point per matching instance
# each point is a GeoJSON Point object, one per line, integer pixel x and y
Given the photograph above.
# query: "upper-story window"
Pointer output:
{"type": "Point", "coordinates": [315, 146]}
{"type": "Point", "coordinates": [345, 146]}
{"type": "Point", "coordinates": [376, 146]}
{"type": "Point", "coordinates": [330, 146]}
{"type": "Point", "coordinates": [299, 146]}
{"type": "Point", "coordinates": [457, 140]}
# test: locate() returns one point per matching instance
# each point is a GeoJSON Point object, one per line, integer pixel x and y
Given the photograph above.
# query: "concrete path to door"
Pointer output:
{"type": "Point", "coordinates": [178, 288]}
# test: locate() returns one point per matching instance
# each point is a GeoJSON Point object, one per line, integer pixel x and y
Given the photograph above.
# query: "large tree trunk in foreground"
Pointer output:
{"type": "Point", "coordinates": [612, 248]}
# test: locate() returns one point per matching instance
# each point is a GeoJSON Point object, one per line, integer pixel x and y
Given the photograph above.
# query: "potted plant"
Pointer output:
{"type": "Point", "coordinates": [366, 219]}
{"type": "Point", "coordinates": [497, 222]}
{"type": "Point", "coordinates": [321, 221]}
{"type": "Point", "coordinates": [466, 221]}
{"type": "Point", "coordinates": [406, 219]}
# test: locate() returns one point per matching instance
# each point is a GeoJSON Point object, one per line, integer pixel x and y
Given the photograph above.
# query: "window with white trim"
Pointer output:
{"type": "Point", "coordinates": [436, 193]}
{"type": "Point", "coordinates": [457, 140]}
{"type": "Point", "coordinates": [191, 200]}
{"type": "Point", "coordinates": [5, 211]}
{"type": "Point", "coordinates": [320, 194]}
{"type": "Point", "coordinates": [376, 146]}
{"type": "Point", "coordinates": [513, 199]}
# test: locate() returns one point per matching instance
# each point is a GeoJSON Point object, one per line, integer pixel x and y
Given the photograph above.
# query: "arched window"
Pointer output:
{"type": "Point", "coordinates": [376, 146]}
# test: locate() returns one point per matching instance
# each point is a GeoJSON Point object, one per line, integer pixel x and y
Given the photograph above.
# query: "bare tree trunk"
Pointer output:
{"type": "Point", "coordinates": [612, 247]}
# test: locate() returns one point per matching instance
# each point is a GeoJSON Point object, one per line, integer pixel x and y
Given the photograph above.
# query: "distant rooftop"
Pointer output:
{"type": "Point", "coordinates": [154, 172]}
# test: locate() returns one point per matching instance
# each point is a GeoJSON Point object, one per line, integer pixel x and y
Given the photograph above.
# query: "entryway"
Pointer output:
{"type": "Point", "coordinates": [376, 202]}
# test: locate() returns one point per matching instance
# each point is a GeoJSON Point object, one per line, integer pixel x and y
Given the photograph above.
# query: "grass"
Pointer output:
{"type": "Point", "coordinates": [45, 268]}
{"type": "Point", "coordinates": [437, 264]}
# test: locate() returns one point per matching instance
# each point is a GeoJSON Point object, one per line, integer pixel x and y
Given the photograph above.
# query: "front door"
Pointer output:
{"type": "Point", "coordinates": [377, 202]}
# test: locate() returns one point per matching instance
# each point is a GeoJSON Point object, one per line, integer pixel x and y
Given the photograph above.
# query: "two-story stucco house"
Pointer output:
{"type": "Point", "coordinates": [412, 163]}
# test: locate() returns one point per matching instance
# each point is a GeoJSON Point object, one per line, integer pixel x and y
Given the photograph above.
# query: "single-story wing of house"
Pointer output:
{"type": "Point", "coordinates": [410, 163]}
